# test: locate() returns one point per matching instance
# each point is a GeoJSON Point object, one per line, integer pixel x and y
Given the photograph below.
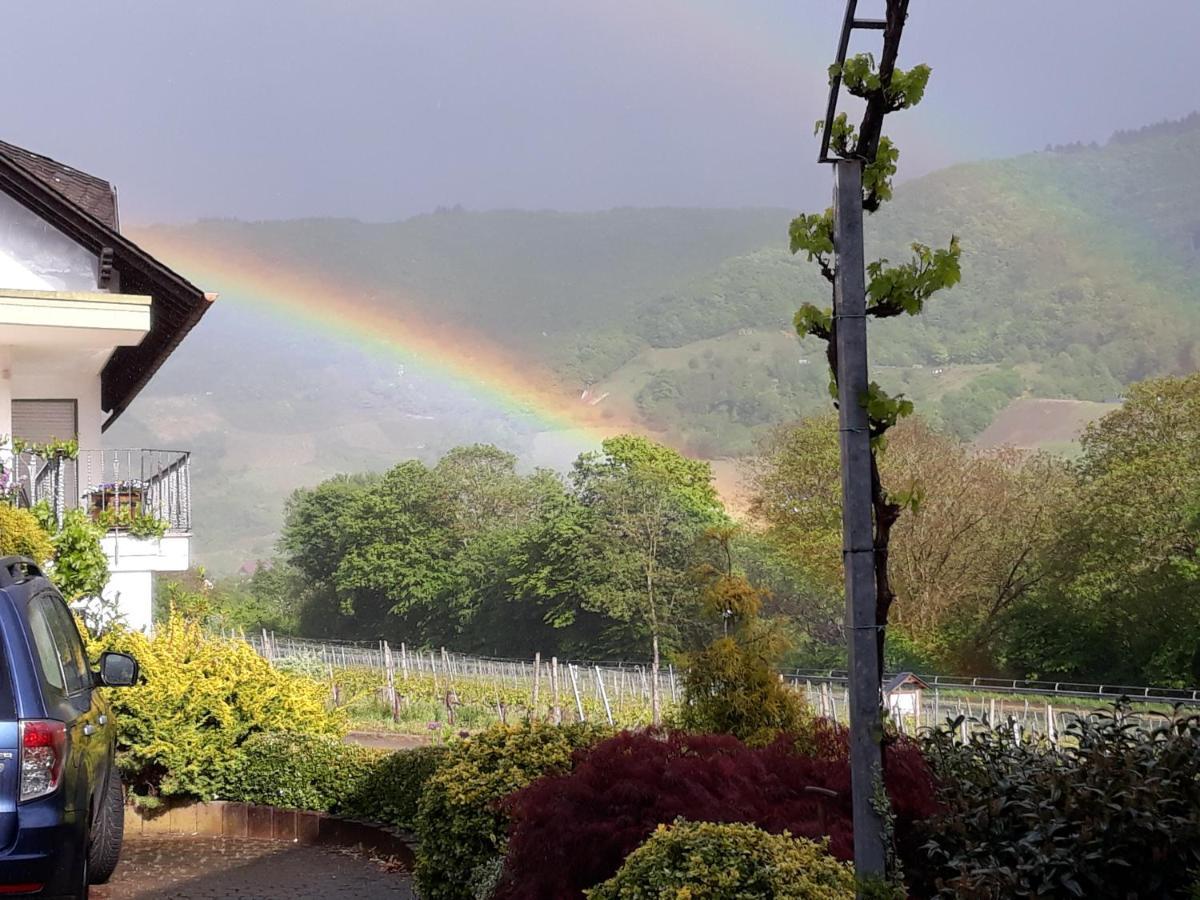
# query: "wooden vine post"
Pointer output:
{"type": "Point", "coordinates": [390, 670]}
{"type": "Point", "coordinates": [556, 707]}
{"type": "Point", "coordinates": [537, 682]}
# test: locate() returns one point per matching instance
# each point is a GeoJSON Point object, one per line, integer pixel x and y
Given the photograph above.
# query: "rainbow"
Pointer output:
{"type": "Point", "coordinates": [467, 362]}
{"type": "Point", "coordinates": [763, 59]}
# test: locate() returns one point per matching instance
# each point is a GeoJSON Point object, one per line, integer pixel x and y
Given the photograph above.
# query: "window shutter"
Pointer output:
{"type": "Point", "coordinates": [43, 421]}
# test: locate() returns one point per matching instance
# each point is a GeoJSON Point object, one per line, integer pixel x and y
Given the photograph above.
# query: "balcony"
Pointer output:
{"type": "Point", "coordinates": [133, 492]}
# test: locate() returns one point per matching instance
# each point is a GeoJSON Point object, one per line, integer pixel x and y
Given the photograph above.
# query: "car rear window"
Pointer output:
{"type": "Point", "coordinates": [59, 649]}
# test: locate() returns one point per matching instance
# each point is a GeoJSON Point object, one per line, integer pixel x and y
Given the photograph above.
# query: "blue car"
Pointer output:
{"type": "Point", "coordinates": [61, 800]}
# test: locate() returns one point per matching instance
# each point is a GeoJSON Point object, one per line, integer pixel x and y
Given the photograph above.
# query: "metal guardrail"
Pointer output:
{"type": "Point", "coordinates": [1018, 686]}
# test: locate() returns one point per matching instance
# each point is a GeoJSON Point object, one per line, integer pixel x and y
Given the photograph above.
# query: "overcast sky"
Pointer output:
{"type": "Point", "coordinates": [380, 109]}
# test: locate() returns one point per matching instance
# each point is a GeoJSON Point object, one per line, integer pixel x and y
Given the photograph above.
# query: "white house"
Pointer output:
{"type": "Point", "coordinates": [86, 319]}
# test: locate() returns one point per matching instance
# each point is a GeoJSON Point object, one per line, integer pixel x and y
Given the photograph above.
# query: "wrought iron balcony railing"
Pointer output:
{"type": "Point", "coordinates": [134, 491]}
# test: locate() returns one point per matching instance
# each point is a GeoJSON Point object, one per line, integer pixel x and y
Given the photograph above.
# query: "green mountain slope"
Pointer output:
{"type": "Point", "coordinates": [1081, 273]}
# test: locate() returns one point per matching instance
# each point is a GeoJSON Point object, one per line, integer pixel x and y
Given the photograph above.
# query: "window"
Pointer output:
{"type": "Point", "coordinates": [47, 653]}
{"type": "Point", "coordinates": [59, 647]}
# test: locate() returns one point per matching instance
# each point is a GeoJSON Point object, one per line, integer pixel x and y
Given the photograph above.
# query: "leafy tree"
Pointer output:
{"type": "Point", "coordinates": [312, 536]}
{"type": "Point", "coordinates": [892, 290]}
{"type": "Point", "coordinates": [796, 492]}
{"type": "Point", "coordinates": [553, 576]}
{"type": "Point", "coordinates": [652, 504]}
{"type": "Point", "coordinates": [481, 487]}
{"type": "Point", "coordinates": [978, 543]}
{"type": "Point", "coordinates": [813, 609]}
{"type": "Point", "coordinates": [1124, 601]}
{"type": "Point", "coordinates": [272, 597]}
{"type": "Point", "coordinates": [976, 546]}
{"type": "Point", "coordinates": [399, 552]}
{"type": "Point", "coordinates": [473, 553]}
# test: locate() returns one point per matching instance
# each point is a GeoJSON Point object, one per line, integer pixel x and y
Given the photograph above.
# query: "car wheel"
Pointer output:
{"type": "Point", "coordinates": [104, 849]}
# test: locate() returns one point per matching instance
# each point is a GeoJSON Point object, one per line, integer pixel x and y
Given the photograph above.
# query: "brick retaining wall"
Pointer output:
{"type": "Point", "coordinates": [222, 818]}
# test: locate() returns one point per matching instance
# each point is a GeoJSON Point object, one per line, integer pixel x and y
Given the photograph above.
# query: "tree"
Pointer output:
{"type": "Point", "coordinates": [651, 504]}
{"type": "Point", "coordinates": [892, 290]}
{"type": "Point", "coordinates": [976, 545]}
{"type": "Point", "coordinates": [1123, 603]}
{"type": "Point", "coordinates": [732, 685]}
{"type": "Point", "coordinates": [400, 547]}
{"type": "Point", "coordinates": [796, 492]}
{"type": "Point", "coordinates": [480, 486]}
{"type": "Point", "coordinates": [554, 575]}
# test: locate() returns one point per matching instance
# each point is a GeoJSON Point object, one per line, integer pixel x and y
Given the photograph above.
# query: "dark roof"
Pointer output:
{"type": "Point", "coordinates": [84, 208]}
{"type": "Point", "coordinates": [91, 194]}
{"type": "Point", "coordinates": [902, 679]}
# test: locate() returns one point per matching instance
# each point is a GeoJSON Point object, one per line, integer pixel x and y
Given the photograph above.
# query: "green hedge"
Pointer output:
{"type": "Point", "coordinates": [1114, 812]}
{"type": "Point", "coordinates": [301, 771]}
{"type": "Point", "coordinates": [460, 828]}
{"type": "Point", "coordinates": [727, 862]}
{"type": "Point", "coordinates": [390, 791]}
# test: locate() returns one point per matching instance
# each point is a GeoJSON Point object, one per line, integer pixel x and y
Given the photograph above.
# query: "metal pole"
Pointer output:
{"type": "Point", "coordinates": [858, 539]}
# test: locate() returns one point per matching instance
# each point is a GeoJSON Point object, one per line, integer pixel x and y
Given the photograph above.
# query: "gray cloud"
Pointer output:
{"type": "Point", "coordinates": [379, 110]}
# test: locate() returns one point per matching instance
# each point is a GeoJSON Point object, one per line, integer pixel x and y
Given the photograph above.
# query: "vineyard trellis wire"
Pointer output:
{"type": "Point", "coordinates": [619, 692]}
{"type": "Point", "coordinates": [565, 690]}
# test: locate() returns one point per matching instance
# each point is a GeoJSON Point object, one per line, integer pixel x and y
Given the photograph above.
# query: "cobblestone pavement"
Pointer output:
{"type": "Point", "coordinates": [215, 868]}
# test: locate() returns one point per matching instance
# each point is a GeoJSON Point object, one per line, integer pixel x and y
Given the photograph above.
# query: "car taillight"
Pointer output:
{"type": "Point", "coordinates": [43, 749]}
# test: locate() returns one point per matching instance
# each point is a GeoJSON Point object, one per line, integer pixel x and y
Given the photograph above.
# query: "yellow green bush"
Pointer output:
{"type": "Point", "coordinates": [22, 535]}
{"type": "Point", "coordinates": [181, 732]}
{"type": "Point", "coordinates": [693, 860]}
{"type": "Point", "coordinates": [459, 826]}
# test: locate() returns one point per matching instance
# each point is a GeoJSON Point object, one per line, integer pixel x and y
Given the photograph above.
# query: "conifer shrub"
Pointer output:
{"type": "Point", "coordinates": [572, 831]}
{"type": "Point", "coordinates": [180, 733]}
{"type": "Point", "coordinates": [461, 824]}
{"type": "Point", "coordinates": [728, 862]}
{"type": "Point", "coordinates": [732, 686]}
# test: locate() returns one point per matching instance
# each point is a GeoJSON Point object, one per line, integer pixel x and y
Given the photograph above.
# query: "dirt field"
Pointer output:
{"type": "Point", "coordinates": [1041, 424]}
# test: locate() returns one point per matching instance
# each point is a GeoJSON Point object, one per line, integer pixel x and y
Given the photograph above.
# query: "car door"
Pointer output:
{"type": "Point", "coordinates": [70, 696]}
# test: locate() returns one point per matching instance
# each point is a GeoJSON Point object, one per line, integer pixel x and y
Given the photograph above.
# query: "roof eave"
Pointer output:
{"type": "Point", "coordinates": [139, 271]}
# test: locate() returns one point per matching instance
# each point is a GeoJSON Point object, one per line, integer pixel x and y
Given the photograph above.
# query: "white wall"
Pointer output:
{"type": "Point", "coordinates": [53, 377]}
{"type": "Point", "coordinates": [5, 395]}
{"type": "Point", "coordinates": [37, 256]}
{"type": "Point", "coordinates": [133, 593]}
{"type": "Point", "coordinates": [132, 563]}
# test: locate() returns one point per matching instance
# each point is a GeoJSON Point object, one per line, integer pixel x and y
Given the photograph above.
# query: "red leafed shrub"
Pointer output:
{"type": "Point", "coordinates": [571, 832]}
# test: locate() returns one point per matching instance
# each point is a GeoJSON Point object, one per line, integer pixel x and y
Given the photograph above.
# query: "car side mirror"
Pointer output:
{"type": "Point", "coordinates": [117, 670]}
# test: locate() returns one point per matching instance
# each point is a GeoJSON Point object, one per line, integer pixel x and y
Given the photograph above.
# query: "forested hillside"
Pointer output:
{"type": "Point", "coordinates": [1081, 274]}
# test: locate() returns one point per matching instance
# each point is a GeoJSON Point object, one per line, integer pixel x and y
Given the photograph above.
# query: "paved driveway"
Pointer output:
{"type": "Point", "coordinates": [215, 868]}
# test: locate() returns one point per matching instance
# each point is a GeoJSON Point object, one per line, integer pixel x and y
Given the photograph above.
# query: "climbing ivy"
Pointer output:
{"type": "Point", "coordinates": [892, 289]}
